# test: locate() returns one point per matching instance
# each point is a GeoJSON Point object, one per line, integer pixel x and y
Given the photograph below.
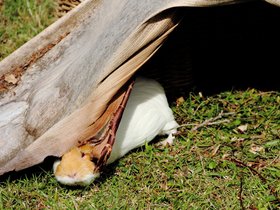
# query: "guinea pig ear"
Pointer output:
{"type": "Point", "coordinates": [55, 164]}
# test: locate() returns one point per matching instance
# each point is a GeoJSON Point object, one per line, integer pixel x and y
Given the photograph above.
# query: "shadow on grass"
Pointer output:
{"type": "Point", "coordinates": [28, 173]}
{"type": "Point", "coordinates": [46, 169]}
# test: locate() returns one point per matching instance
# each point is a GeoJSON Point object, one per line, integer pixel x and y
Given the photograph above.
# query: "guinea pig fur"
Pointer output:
{"type": "Point", "coordinates": [146, 115]}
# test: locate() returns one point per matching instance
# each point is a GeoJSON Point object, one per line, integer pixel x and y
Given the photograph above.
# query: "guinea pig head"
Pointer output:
{"type": "Point", "coordinates": [75, 168]}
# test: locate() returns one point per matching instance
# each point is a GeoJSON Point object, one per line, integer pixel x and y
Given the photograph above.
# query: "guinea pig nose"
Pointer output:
{"type": "Point", "coordinates": [73, 175]}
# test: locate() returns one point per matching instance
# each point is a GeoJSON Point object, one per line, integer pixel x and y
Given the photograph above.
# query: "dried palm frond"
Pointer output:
{"type": "Point", "coordinates": [67, 76]}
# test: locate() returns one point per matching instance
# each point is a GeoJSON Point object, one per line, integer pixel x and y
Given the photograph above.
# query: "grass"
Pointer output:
{"type": "Point", "coordinates": [218, 165]}
{"type": "Point", "coordinates": [22, 19]}
{"type": "Point", "coordinates": [226, 154]}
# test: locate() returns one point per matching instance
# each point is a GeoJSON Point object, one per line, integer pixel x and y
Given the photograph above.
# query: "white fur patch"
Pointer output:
{"type": "Point", "coordinates": [146, 115]}
{"type": "Point", "coordinates": [74, 181]}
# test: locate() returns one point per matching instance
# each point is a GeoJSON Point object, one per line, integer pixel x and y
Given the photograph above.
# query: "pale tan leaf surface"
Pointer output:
{"type": "Point", "coordinates": [10, 78]}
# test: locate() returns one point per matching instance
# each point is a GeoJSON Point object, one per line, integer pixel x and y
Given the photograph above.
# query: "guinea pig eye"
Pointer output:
{"type": "Point", "coordinates": [83, 154]}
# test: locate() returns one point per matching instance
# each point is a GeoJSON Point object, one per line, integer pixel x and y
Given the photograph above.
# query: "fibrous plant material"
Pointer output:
{"type": "Point", "coordinates": [65, 6]}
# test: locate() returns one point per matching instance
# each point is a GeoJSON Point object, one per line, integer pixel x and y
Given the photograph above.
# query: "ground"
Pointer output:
{"type": "Point", "coordinates": [226, 154]}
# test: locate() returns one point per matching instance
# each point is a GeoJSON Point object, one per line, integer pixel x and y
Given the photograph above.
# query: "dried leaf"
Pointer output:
{"type": "Point", "coordinates": [255, 149]}
{"type": "Point", "coordinates": [242, 128]}
{"type": "Point", "coordinates": [180, 101]}
{"type": "Point", "coordinates": [10, 78]}
{"type": "Point", "coordinates": [237, 141]}
{"type": "Point", "coordinates": [262, 136]}
{"type": "Point", "coordinates": [215, 150]}
{"type": "Point", "coordinates": [225, 156]}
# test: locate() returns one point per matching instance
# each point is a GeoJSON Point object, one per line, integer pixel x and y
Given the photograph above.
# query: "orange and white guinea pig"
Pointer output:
{"type": "Point", "coordinates": [146, 115]}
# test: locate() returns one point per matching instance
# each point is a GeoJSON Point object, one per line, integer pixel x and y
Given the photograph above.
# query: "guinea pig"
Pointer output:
{"type": "Point", "coordinates": [146, 115]}
{"type": "Point", "coordinates": [75, 168]}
